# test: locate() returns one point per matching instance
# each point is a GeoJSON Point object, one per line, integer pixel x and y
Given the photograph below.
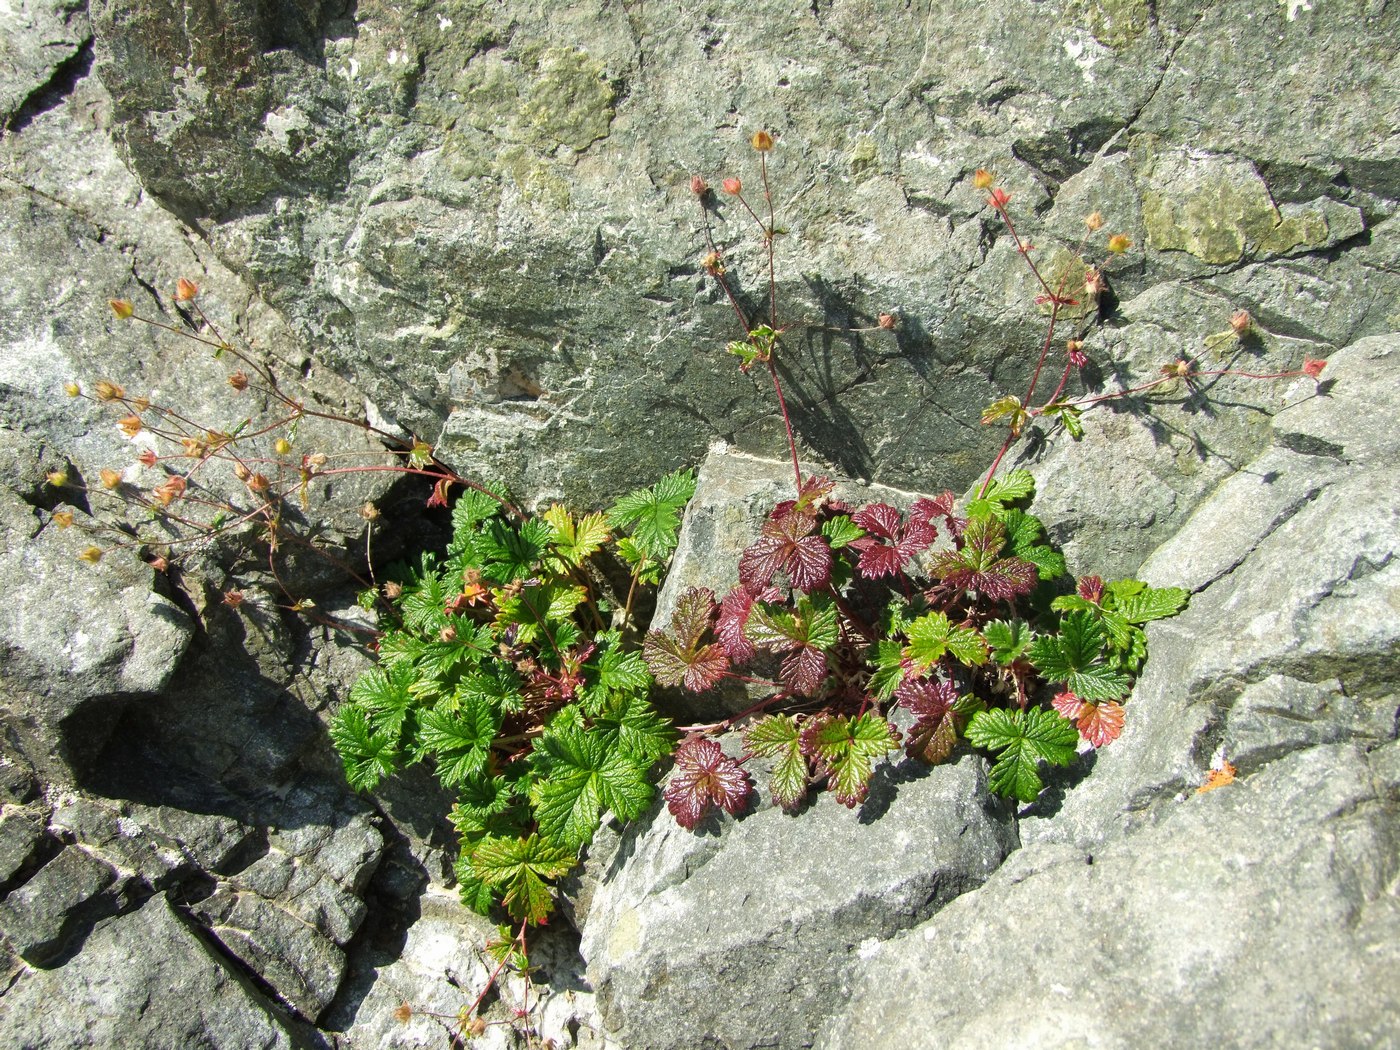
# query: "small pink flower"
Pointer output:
{"type": "Point", "coordinates": [1312, 367]}
{"type": "Point", "coordinates": [699, 186]}
{"type": "Point", "coordinates": [732, 186]}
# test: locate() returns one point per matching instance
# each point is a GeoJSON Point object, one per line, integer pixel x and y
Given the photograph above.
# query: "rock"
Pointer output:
{"type": "Point", "coordinates": [41, 916]}
{"type": "Point", "coordinates": [683, 927]}
{"type": "Point", "coordinates": [179, 997]}
{"type": "Point", "coordinates": [38, 40]}
{"type": "Point", "coordinates": [1170, 935]}
{"type": "Point", "coordinates": [22, 833]}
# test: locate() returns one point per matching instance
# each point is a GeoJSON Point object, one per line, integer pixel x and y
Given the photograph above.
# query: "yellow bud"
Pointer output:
{"type": "Point", "coordinates": [185, 290]}
{"type": "Point", "coordinates": [282, 446]}
{"type": "Point", "coordinates": [63, 518]}
{"type": "Point", "coordinates": [1119, 243]}
{"type": "Point", "coordinates": [92, 555]}
{"type": "Point", "coordinates": [762, 141]}
{"type": "Point", "coordinates": [72, 389]}
{"type": "Point", "coordinates": [982, 178]}
{"type": "Point", "coordinates": [121, 308]}
{"type": "Point", "coordinates": [57, 478]}
{"type": "Point", "coordinates": [111, 479]}
{"type": "Point", "coordinates": [106, 391]}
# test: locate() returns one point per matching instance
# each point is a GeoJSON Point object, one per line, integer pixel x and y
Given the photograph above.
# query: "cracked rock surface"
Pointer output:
{"type": "Point", "coordinates": [475, 221]}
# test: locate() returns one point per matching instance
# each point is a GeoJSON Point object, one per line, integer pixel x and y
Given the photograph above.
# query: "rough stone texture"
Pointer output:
{"type": "Point", "coordinates": [474, 220]}
{"type": "Point", "coordinates": [39, 918]}
{"type": "Point", "coordinates": [763, 904]}
{"type": "Point", "coordinates": [143, 979]}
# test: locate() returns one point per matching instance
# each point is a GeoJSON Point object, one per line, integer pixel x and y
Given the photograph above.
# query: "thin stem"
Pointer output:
{"type": "Point", "coordinates": [787, 420]}
{"type": "Point", "coordinates": [768, 236]}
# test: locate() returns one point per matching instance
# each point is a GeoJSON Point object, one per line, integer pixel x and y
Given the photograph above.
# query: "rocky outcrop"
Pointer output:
{"type": "Point", "coordinates": [474, 221]}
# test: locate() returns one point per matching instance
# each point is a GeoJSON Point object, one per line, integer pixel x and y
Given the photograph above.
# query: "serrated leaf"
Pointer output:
{"type": "Point", "coordinates": [1102, 723]}
{"type": "Point", "coordinates": [581, 778]}
{"type": "Point", "coordinates": [935, 730]}
{"type": "Point", "coordinates": [788, 543]}
{"type": "Point", "coordinates": [1008, 410]}
{"type": "Point", "coordinates": [368, 756]}
{"type": "Point", "coordinates": [632, 726]}
{"type": "Point", "coordinates": [383, 695]}
{"type": "Point", "coordinates": [472, 889]}
{"type": "Point", "coordinates": [460, 741]}
{"type": "Point", "coordinates": [471, 509]}
{"type": "Point", "coordinates": [1009, 640]}
{"type": "Point", "coordinates": [705, 777]}
{"type": "Point", "coordinates": [518, 868]}
{"type": "Point", "coordinates": [654, 514]}
{"type": "Point", "coordinates": [1025, 739]}
{"type": "Point", "coordinates": [779, 737]}
{"type": "Point", "coordinates": [978, 565]}
{"type": "Point", "coordinates": [1153, 603]}
{"type": "Point", "coordinates": [575, 541]}
{"type": "Point", "coordinates": [1072, 657]}
{"type": "Point", "coordinates": [888, 658]}
{"type": "Point", "coordinates": [841, 531]}
{"type": "Point", "coordinates": [933, 635]}
{"type": "Point", "coordinates": [846, 750]}
{"type": "Point", "coordinates": [612, 673]}
{"type": "Point", "coordinates": [677, 656]}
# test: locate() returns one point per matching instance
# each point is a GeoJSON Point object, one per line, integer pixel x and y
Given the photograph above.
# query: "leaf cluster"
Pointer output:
{"type": "Point", "coordinates": [922, 628]}
{"type": "Point", "coordinates": [499, 666]}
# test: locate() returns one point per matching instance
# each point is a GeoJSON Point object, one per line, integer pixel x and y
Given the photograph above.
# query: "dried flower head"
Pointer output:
{"type": "Point", "coordinates": [712, 264]}
{"type": "Point", "coordinates": [1094, 283]}
{"type": "Point", "coordinates": [57, 478]}
{"type": "Point", "coordinates": [121, 308]}
{"type": "Point", "coordinates": [983, 179]}
{"type": "Point", "coordinates": [241, 472]}
{"type": "Point", "coordinates": [185, 290]}
{"type": "Point", "coordinates": [171, 489]}
{"type": "Point", "coordinates": [316, 459]}
{"type": "Point", "coordinates": [148, 457]}
{"type": "Point", "coordinates": [1241, 322]}
{"type": "Point", "coordinates": [258, 483]}
{"type": "Point", "coordinates": [62, 518]}
{"type": "Point", "coordinates": [159, 562]}
{"type": "Point", "coordinates": [732, 186]}
{"type": "Point", "coordinates": [130, 425]}
{"type": "Point", "coordinates": [762, 141]}
{"type": "Point", "coordinates": [105, 391]}
{"type": "Point", "coordinates": [1094, 220]}
{"type": "Point", "coordinates": [447, 634]}
{"type": "Point", "coordinates": [699, 186]}
{"type": "Point", "coordinates": [887, 322]}
{"type": "Point", "coordinates": [239, 381]}
{"type": "Point", "coordinates": [92, 555]}
{"type": "Point", "coordinates": [233, 598]}
{"type": "Point", "coordinates": [281, 446]}
{"type": "Point", "coordinates": [72, 389]}
{"type": "Point", "coordinates": [392, 589]}
{"type": "Point", "coordinates": [403, 1013]}
{"type": "Point", "coordinates": [1119, 243]}
{"type": "Point", "coordinates": [111, 479]}
{"type": "Point", "coordinates": [1178, 369]}
{"type": "Point", "coordinates": [369, 511]}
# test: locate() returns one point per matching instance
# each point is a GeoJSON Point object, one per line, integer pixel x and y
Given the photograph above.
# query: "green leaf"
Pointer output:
{"type": "Point", "coordinates": [1017, 485]}
{"type": "Point", "coordinates": [1151, 604]}
{"type": "Point", "coordinates": [780, 737]}
{"type": "Point", "coordinates": [1072, 657]}
{"type": "Point", "coordinates": [473, 890]}
{"type": "Point", "coordinates": [847, 749]}
{"type": "Point", "coordinates": [471, 509]}
{"type": "Point", "coordinates": [496, 684]}
{"type": "Point", "coordinates": [933, 634]}
{"type": "Point", "coordinates": [1025, 739]}
{"type": "Point", "coordinates": [1069, 416]}
{"type": "Point", "coordinates": [1009, 640]}
{"type": "Point", "coordinates": [518, 868]}
{"type": "Point", "coordinates": [1023, 534]}
{"type": "Point", "coordinates": [1008, 410]}
{"type": "Point", "coordinates": [384, 697]}
{"type": "Point", "coordinates": [369, 757]}
{"type": "Point", "coordinates": [632, 726]}
{"type": "Point", "coordinates": [840, 531]}
{"type": "Point", "coordinates": [888, 658]}
{"type": "Point", "coordinates": [460, 741]}
{"type": "Point", "coordinates": [509, 554]}
{"type": "Point", "coordinates": [575, 541]}
{"type": "Point", "coordinates": [612, 672]}
{"type": "Point", "coordinates": [581, 777]}
{"type": "Point", "coordinates": [654, 514]}
{"type": "Point", "coordinates": [421, 454]}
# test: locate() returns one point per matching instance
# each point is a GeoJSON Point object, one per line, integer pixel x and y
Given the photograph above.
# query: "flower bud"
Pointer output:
{"type": "Point", "coordinates": [762, 141]}
{"type": "Point", "coordinates": [699, 186]}
{"type": "Point", "coordinates": [241, 472]}
{"type": "Point", "coordinates": [159, 562]}
{"type": "Point", "coordinates": [63, 518]}
{"type": "Point", "coordinates": [171, 489]}
{"type": "Point", "coordinates": [72, 389]}
{"type": "Point", "coordinates": [732, 186]}
{"type": "Point", "coordinates": [982, 179]}
{"type": "Point", "coordinates": [239, 381]}
{"type": "Point", "coordinates": [887, 322]}
{"type": "Point", "coordinates": [148, 457]}
{"type": "Point", "coordinates": [233, 598]}
{"type": "Point", "coordinates": [393, 589]}
{"type": "Point", "coordinates": [1312, 367]}
{"type": "Point", "coordinates": [91, 555]}
{"type": "Point", "coordinates": [185, 290]}
{"type": "Point", "coordinates": [258, 483]}
{"type": "Point", "coordinates": [1241, 322]}
{"type": "Point", "coordinates": [712, 264]}
{"type": "Point", "coordinates": [369, 512]}
{"type": "Point", "coordinates": [111, 479]}
{"type": "Point", "coordinates": [57, 478]}
{"type": "Point", "coordinates": [281, 446]}
{"type": "Point", "coordinates": [121, 308]}
{"type": "Point", "coordinates": [447, 634]}
{"type": "Point", "coordinates": [1094, 221]}
{"type": "Point", "coordinates": [106, 391]}
{"type": "Point", "coordinates": [1119, 243]}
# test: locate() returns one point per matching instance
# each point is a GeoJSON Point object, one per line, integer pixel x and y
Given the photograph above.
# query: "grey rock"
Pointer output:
{"type": "Point", "coordinates": [298, 962]}
{"type": "Point", "coordinates": [775, 909]}
{"type": "Point", "coordinates": [42, 915]}
{"type": "Point", "coordinates": [37, 39]}
{"type": "Point", "coordinates": [180, 997]}
{"type": "Point", "coordinates": [1171, 935]}
{"type": "Point", "coordinates": [22, 833]}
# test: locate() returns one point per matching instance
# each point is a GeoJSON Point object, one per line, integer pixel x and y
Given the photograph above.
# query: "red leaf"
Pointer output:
{"type": "Point", "coordinates": [882, 522]}
{"type": "Point", "coordinates": [1101, 723]}
{"type": "Point", "coordinates": [1068, 705]}
{"type": "Point", "coordinates": [934, 732]}
{"type": "Point", "coordinates": [705, 776]}
{"type": "Point", "coordinates": [729, 627]}
{"type": "Point", "coordinates": [676, 656]}
{"type": "Point", "coordinates": [694, 610]}
{"type": "Point", "coordinates": [803, 670]}
{"type": "Point", "coordinates": [787, 544]}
